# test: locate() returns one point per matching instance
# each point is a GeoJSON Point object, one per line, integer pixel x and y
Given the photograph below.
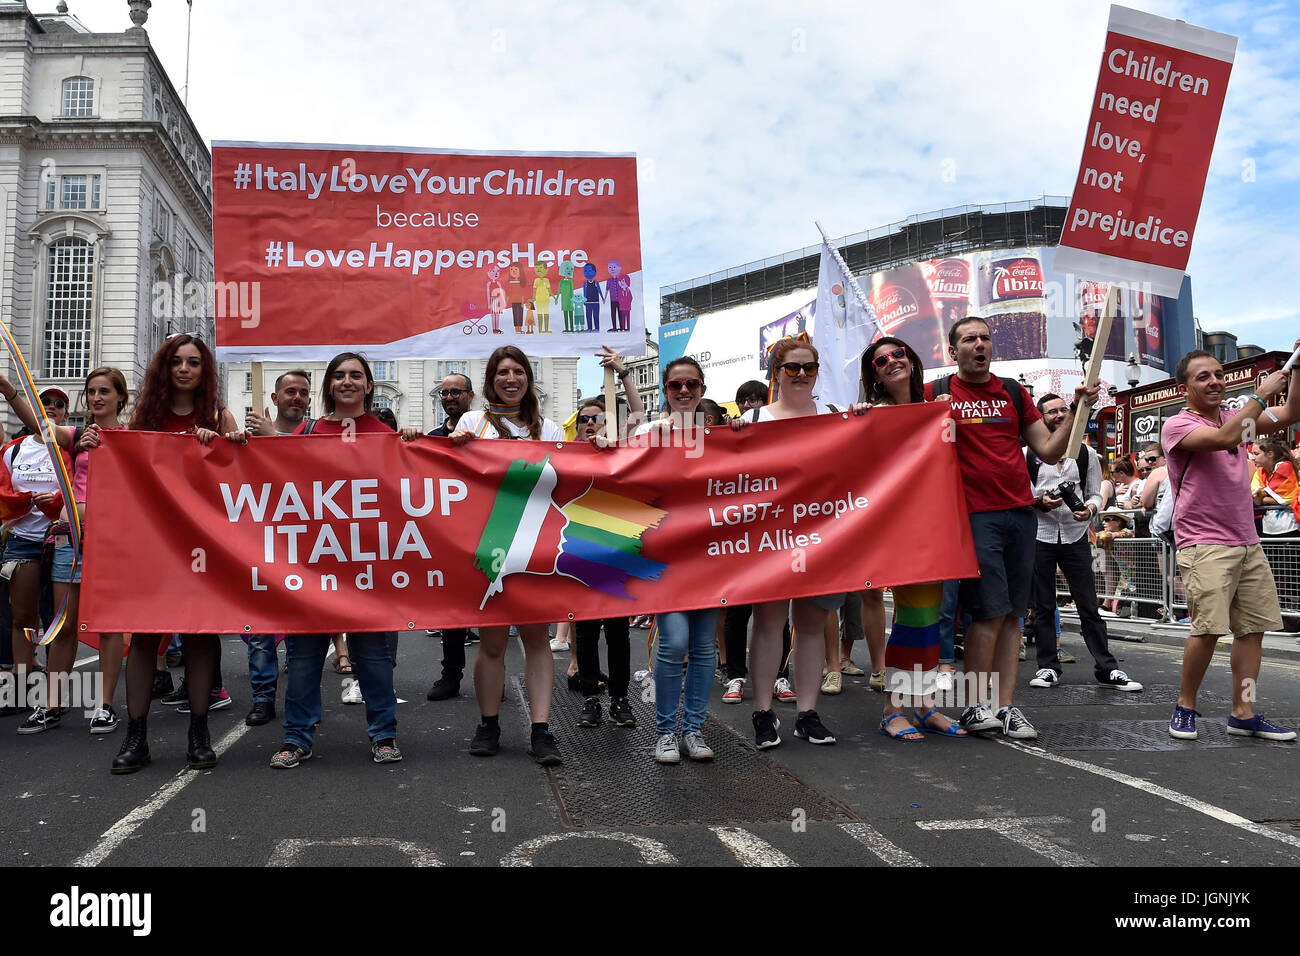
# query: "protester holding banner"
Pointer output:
{"type": "Point", "coordinates": [347, 396]}
{"type": "Point", "coordinates": [992, 417]}
{"type": "Point", "coordinates": [513, 411]}
{"type": "Point", "coordinates": [891, 375]}
{"type": "Point", "coordinates": [29, 500]}
{"type": "Point", "coordinates": [793, 366]}
{"type": "Point", "coordinates": [180, 393]}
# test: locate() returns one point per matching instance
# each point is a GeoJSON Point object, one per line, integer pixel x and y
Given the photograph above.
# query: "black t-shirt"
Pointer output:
{"type": "Point", "coordinates": [442, 431]}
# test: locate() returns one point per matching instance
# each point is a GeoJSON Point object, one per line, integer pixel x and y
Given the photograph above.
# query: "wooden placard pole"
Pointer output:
{"type": "Point", "coordinates": [1094, 370]}
{"type": "Point", "coordinates": [259, 393]}
{"type": "Point", "coordinates": [611, 406]}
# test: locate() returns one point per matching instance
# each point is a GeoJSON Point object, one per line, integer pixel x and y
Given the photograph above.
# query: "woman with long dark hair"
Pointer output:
{"type": "Point", "coordinates": [891, 375]}
{"type": "Point", "coordinates": [512, 412]}
{"type": "Point", "coordinates": [347, 395]}
{"type": "Point", "coordinates": [179, 394]}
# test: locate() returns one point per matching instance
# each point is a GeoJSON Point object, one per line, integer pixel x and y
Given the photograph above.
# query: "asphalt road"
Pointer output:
{"type": "Point", "coordinates": [1104, 785]}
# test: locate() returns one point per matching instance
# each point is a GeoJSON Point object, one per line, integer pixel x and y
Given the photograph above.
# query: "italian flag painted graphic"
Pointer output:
{"type": "Point", "coordinates": [594, 539]}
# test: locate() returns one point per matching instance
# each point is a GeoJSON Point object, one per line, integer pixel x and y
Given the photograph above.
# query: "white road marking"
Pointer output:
{"type": "Point", "coordinates": [1173, 796]}
{"type": "Point", "coordinates": [87, 660]}
{"type": "Point", "coordinates": [118, 833]}
{"type": "Point", "coordinates": [652, 851]}
{"type": "Point", "coordinates": [749, 850]}
{"type": "Point", "coordinates": [1017, 830]}
{"type": "Point", "coordinates": [880, 845]}
{"type": "Point", "coordinates": [287, 852]}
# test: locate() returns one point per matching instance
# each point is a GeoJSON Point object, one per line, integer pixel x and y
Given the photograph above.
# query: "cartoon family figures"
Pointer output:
{"type": "Point", "coordinates": [519, 295]}
{"type": "Point", "coordinates": [496, 297]}
{"type": "Point", "coordinates": [566, 293]}
{"type": "Point", "coordinates": [592, 297]}
{"type": "Point", "coordinates": [618, 289]}
{"type": "Point", "coordinates": [542, 297]}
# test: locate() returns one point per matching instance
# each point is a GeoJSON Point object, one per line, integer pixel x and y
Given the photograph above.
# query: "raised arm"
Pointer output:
{"type": "Point", "coordinates": [1049, 446]}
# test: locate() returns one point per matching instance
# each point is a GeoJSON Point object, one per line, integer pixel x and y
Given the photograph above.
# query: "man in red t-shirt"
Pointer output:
{"type": "Point", "coordinates": [989, 431]}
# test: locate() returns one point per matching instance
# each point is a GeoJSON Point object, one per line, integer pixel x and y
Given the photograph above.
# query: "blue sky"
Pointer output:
{"type": "Point", "coordinates": [752, 120]}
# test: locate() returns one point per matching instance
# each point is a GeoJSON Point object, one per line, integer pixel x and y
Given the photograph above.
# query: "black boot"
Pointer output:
{"type": "Point", "coordinates": [200, 756]}
{"type": "Point", "coordinates": [134, 754]}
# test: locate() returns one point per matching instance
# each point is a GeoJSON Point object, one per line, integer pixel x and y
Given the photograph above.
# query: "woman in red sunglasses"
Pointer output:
{"type": "Point", "coordinates": [891, 374]}
{"type": "Point", "coordinates": [793, 367]}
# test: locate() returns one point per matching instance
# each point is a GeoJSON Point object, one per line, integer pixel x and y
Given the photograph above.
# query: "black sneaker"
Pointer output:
{"type": "Point", "coordinates": [810, 727]}
{"type": "Point", "coordinates": [444, 688]}
{"type": "Point", "coordinates": [263, 712]}
{"type": "Point", "coordinates": [591, 713]}
{"type": "Point", "coordinates": [40, 720]}
{"type": "Point", "coordinates": [162, 685]}
{"type": "Point", "coordinates": [620, 712]}
{"type": "Point", "coordinates": [104, 722]}
{"type": "Point", "coordinates": [765, 729]}
{"type": "Point", "coordinates": [180, 695]}
{"type": "Point", "coordinates": [543, 750]}
{"type": "Point", "coordinates": [486, 742]}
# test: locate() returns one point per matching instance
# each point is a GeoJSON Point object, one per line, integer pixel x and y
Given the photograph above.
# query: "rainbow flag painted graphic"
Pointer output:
{"type": "Point", "coordinates": [594, 539]}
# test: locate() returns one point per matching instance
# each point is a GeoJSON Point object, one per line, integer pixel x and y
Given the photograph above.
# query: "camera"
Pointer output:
{"type": "Point", "coordinates": [1067, 492]}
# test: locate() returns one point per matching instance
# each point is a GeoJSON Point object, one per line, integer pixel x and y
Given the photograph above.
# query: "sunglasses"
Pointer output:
{"type": "Point", "coordinates": [794, 368]}
{"type": "Point", "coordinates": [599, 419]}
{"type": "Point", "coordinates": [452, 392]}
{"type": "Point", "coordinates": [55, 403]}
{"type": "Point", "coordinates": [1152, 460]}
{"type": "Point", "coordinates": [880, 361]}
{"type": "Point", "coordinates": [679, 383]}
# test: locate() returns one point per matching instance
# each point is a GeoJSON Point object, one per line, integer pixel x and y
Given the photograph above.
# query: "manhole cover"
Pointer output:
{"type": "Point", "coordinates": [609, 777]}
{"type": "Point", "coordinates": [1144, 735]}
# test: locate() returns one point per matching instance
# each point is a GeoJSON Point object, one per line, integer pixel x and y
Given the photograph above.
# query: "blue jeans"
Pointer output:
{"type": "Point", "coordinates": [948, 622]}
{"type": "Point", "coordinates": [373, 669]}
{"type": "Point", "coordinates": [680, 632]}
{"type": "Point", "coordinates": [263, 667]}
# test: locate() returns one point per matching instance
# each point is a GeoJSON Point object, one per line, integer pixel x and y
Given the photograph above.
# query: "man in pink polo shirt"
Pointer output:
{"type": "Point", "coordinates": [1229, 584]}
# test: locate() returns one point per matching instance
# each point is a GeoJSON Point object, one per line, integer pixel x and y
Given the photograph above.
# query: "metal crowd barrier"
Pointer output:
{"type": "Point", "coordinates": [1142, 572]}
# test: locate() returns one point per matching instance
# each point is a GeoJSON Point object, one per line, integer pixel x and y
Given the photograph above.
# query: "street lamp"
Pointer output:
{"type": "Point", "coordinates": [1027, 387]}
{"type": "Point", "coordinates": [1133, 371]}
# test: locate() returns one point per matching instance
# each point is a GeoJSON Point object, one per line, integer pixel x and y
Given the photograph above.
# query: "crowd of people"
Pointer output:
{"type": "Point", "coordinates": [1035, 506]}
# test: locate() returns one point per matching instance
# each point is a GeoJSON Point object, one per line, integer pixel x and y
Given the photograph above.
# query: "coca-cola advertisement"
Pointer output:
{"type": "Point", "coordinates": [905, 308]}
{"type": "Point", "coordinates": [1148, 325]}
{"type": "Point", "coordinates": [1012, 297]}
{"type": "Point", "coordinates": [1091, 299]}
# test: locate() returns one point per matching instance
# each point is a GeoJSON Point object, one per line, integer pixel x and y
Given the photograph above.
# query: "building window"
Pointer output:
{"type": "Point", "coordinates": [162, 220]}
{"type": "Point", "coordinates": [78, 96]}
{"type": "Point", "coordinates": [69, 306]}
{"type": "Point", "coordinates": [383, 401]}
{"type": "Point", "coordinates": [72, 192]}
{"type": "Point", "coordinates": [191, 258]}
{"type": "Point", "coordinates": [248, 381]}
{"type": "Point", "coordinates": [384, 371]}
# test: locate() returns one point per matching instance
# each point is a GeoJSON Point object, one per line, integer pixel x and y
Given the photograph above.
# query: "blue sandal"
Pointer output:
{"type": "Point", "coordinates": [952, 731]}
{"type": "Point", "coordinates": [911, 733]}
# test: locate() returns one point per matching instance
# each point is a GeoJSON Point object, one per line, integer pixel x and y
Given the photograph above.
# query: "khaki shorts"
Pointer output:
{"type": "Point", "coordinates": [1229, 589]}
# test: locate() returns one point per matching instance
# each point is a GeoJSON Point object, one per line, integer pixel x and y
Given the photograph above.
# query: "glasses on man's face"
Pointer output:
{"type": "Point", "coordinates": [794, 368]}
{"type": "Point", "coordinates": [452, 392]}
{"type": "Point", "coordinates": [598, 419]}
{"type": "Point", "coordinates": [880, 361]}
{"type": "Point", "coordinates": [1152, 459]}
{"type": "Point", "coordinates": [679, 383]}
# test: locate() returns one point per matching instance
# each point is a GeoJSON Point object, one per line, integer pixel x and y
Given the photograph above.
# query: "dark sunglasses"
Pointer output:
{"type": "Point", "coordinates": [1152, 460]}
{"type": "Point", "coordinates": [880, 361]}
{"type": "Point", "coordinates": [678, 383]}
{"type": "Point", "coordinates": [599, 419]}
{"type": "Point", "coordinates": [55, 402]}
{"type": "Point", "coordinates": [452, 392]}
{"type": "Point", "coordinates": [794, 368]}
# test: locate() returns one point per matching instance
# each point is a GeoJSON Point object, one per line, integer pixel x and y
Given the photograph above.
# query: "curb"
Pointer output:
{"type": "Point", "coordinates": [1278, 645]}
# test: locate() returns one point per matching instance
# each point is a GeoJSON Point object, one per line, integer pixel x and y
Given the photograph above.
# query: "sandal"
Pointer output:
{"type": "Point", "coordinates": [340, 667]}
{"type": "Point", "coordinates": [952, 731]}
{"type": "Point", "coordinates": [911, 733]}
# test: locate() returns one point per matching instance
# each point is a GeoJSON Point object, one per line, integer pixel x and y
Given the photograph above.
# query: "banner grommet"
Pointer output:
{"type": "Point", "coordinates": [724, 600]}
{"type": "Point", "coordinates": [83, 627]}
{"type": "Point", "coordinates": [410, 625]}
{"type": "Point", "coordinates": [248, 628]}
{"type": "Point", "coordinates": [570, 615]}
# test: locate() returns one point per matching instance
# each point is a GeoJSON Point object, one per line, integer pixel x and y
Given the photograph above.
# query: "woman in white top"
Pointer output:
{"type": "Point", "coordinates": [512, 411]}
{"type": "Point", "coordinates": [794, 367]}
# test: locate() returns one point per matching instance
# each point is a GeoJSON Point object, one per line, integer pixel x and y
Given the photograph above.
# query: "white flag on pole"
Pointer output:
{"type": "Point", "coordinates": [843, 326]}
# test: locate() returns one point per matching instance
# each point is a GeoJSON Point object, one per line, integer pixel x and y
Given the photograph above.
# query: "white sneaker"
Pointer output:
{"type": "Point", "coordinates": [978, 718]}
{"type": "Point", "coordinates": [1120, 681]}
{"type": "Point", "coordinates": [1046, 677]}
{"type": "Point", "coordinates": [783, 692]}
{"type": "Point", "coordinates": [352, 692]}
{"type": "Point", "coordinates": [559, 645]}
{"type": "Point", "coordinates": [695, 746]}
{"type": "Point", "coordinates": [1015, 725]}
{"type": "Point", "coordinates": [944, 682]}
{"type": "Point", "coordinates": [735, 691]}
{"type": "Point", "coordinates": [666, 749]}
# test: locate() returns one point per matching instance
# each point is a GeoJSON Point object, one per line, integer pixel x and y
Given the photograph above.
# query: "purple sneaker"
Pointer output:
{"type": "Point", "coordinates": [1183, 724]}
{"type": "Point", "coordinates": [1257, 726]}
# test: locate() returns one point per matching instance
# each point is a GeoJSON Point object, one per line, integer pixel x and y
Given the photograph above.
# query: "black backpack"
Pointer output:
{"type": "Point", "coordinates": [1010, 384]}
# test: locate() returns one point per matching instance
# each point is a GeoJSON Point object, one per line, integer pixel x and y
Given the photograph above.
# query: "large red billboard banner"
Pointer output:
{"type": "Point", "coordinates": [318, 533]}
{"type": "Point", "coordinates": [423, 253]}
{"type": "Point", "coordinates": [1146, 152]}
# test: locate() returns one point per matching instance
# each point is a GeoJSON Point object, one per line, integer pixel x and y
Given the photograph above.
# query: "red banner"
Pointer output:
{"type": "Point", "coordinates": [1147, 151]}
{"type": "Point", "coordinates": [318, 533]}
{"type": "Point", "coordinates": [423, 253]}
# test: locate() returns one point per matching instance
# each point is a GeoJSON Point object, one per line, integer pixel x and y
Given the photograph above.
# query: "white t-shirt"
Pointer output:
{"type": "Point", "coordinates": [29, 464]}
{"type": "Point", "coordinates": [476, 423]}
{"type": "Point", "coordinates": [764, 415]}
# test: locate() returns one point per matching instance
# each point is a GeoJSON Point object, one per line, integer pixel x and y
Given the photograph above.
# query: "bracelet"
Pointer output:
{"type": "Point", "coordinates": [1074, 407]}
{"type": "Point", "coordinates": [1255, 396]}
{"type": "Point", "coordinates": [625, 373]}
